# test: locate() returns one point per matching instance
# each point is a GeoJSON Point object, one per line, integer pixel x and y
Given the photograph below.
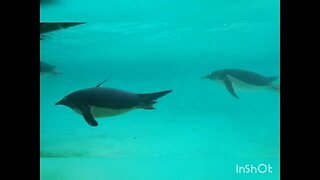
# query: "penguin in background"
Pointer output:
{"type": "Point", "coordinates": [243, 79]}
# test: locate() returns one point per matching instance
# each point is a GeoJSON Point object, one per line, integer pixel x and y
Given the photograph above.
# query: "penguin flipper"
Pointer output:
{"type": "Point", "coordinates": [229, 86]}
{"type": "Point", "coordinates": [86, 112]}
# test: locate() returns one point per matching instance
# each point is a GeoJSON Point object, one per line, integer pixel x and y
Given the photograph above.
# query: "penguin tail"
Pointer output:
{"type": "Point", "coordinates": [273, 78]}
{"type": "Point", "coordinates": [275, 88]}
{"type": "Point", "coordinates": [149, 99]}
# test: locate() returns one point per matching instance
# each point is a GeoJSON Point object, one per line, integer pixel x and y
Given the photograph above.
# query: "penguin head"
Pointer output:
{"type": "Point", "coordinates": [72, 100]}
{"type": "Point", "coordinates": [213, 76]}
{"type": "Point", "coordinates": [62, 101]}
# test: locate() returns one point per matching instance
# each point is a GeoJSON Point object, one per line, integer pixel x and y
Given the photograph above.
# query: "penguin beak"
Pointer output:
{"type": "Point", "coordinates": [59, 102]}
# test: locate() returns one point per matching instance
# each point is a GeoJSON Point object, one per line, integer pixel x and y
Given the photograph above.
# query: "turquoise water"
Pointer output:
{"type": "Point", "coordinates": [199, 131]}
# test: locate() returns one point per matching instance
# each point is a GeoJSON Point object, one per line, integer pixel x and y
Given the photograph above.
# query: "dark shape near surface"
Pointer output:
{"type": "Point", "coordinates": [47, 2]}
{"type": "Point", "coordinates": [243, 79]}
{"type": "Point", "coordinates": [49, 27]}
{"type": "Point", "coordinates": [99, 101]}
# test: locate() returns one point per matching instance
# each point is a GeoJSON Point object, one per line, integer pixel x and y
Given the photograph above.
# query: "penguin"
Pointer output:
{"type": "Point", "coordinates": [46, 68]}
{"type": "Point", "coordinates": [243, 79]}
{"type": "Point", "coordinates": [97, 102]}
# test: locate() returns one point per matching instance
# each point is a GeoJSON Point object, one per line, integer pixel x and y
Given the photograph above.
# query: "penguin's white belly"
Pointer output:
{"type": "Point", "coordinates": [240, 85]}
{"type": "Point", "coordinates": [105, 112]}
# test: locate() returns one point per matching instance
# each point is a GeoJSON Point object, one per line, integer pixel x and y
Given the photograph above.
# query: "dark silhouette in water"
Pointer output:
{"type": "Point", "coordinates": [243, 79]}
{"type": "Point", "coordinates": [97, 102]}
{"type": "Point", "coordinates": [50, 27]}
{"type": "Point", "coordinates": [47, 2]}
{"type": "Point", "coordinates": [46, 68]}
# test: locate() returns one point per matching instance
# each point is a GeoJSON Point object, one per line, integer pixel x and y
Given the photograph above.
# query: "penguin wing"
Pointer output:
{"type": "Point", "coordinates": [229, 86]}
{"type": "Point", "coordinates": [86, 112]}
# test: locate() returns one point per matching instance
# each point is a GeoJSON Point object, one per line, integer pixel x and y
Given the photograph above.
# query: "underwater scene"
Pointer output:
{"type": "Point", "coordinates": [154, 90]}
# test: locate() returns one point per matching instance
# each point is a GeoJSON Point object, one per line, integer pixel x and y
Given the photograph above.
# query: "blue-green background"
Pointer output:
{"type": "Point", "coordinates": [199, 131]}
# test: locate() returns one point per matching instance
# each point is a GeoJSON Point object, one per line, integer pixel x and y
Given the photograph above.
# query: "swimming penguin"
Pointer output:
{"type": "Point", "coordinates": [243, 79]}
{"type": "Point", "coordinates": [99, 102]}
{"type": "Point", "coordinates": [46, 68]}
